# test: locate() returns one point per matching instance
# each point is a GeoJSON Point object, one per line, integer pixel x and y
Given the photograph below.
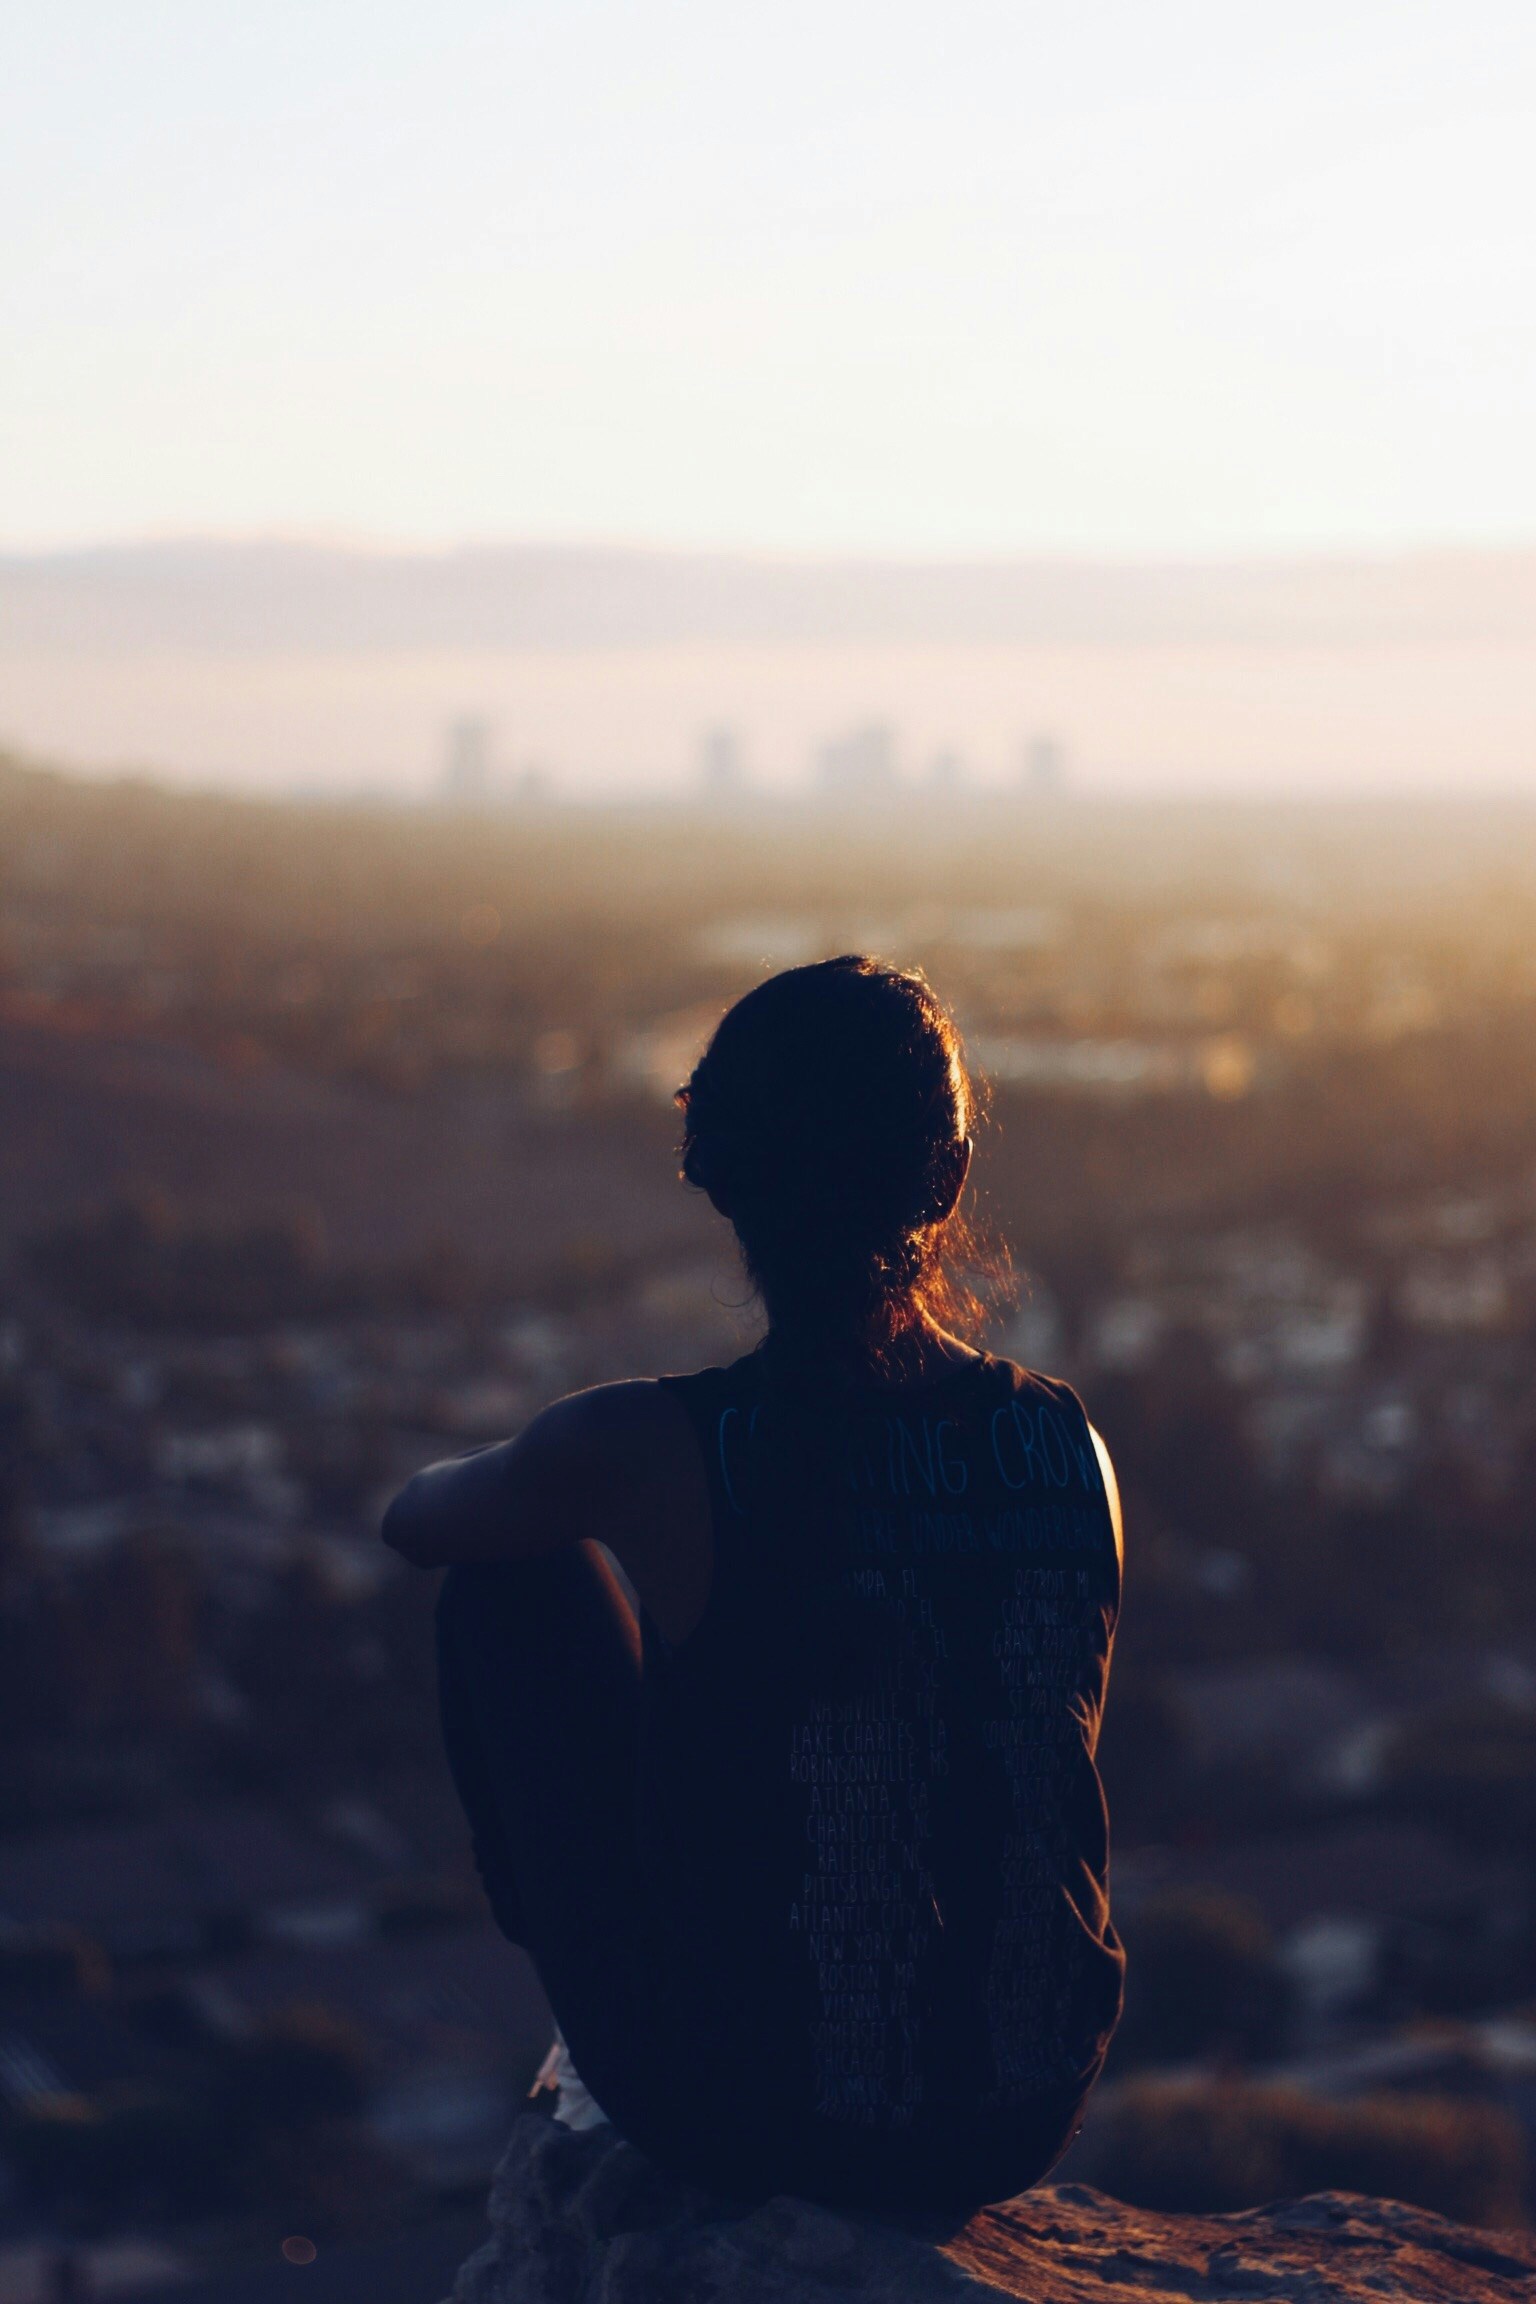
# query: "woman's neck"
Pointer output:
{"type": "Point", "coordinates": [916, 1354]}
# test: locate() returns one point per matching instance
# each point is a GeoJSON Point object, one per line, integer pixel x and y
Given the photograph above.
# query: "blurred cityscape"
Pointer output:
{"type": "Point", "coordinates": [858, 765]}
{"type": "Point", "coordinates": [338, 1138]}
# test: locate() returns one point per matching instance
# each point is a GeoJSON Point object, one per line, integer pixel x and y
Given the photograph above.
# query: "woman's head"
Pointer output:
{"type": "Point", "coordinates": [830, 1120]}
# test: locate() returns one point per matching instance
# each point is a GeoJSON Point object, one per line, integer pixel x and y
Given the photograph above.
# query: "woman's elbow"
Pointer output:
{"type": "Point", "coordinates": [408, 1529]}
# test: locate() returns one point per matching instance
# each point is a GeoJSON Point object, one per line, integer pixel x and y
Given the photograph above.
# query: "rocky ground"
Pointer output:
{"type": "Point", "coordinates": [584, 2219]}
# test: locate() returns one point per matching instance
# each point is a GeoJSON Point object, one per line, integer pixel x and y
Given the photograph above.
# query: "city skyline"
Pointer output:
{"type": "Point", "coordinates": [273, 667]}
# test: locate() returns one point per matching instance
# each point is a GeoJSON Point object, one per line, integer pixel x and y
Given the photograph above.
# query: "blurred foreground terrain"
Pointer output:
{"type": "Point", "coordinates": [335, 1139]}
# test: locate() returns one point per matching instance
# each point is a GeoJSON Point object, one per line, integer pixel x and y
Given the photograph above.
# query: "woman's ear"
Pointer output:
{"type": "Point", "coordinates": [705, 1177]}
{"type": "Point", "coordinates": [950, 1172]}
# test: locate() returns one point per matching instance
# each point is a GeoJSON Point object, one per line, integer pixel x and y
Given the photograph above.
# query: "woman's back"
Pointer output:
{"type": "Point", "coordinates": [867, 1779]}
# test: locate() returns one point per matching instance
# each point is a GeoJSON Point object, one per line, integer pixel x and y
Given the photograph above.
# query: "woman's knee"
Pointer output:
{"type": "Point", "coordinates": [486, 1617]}
{"type": "Point", "coordinates": [462, 1593]}
{"type": "Point", "coordinates": [502, 1609]}
{"type": "Point", "coordinates": [475, 1591]}
{"type": "Point", "coordinates": [462, 1607]}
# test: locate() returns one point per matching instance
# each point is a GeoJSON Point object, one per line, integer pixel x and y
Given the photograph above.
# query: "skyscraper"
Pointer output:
{"type": "Point", "coordinates": [1045, 764]}
{"type": "Point", "coordinates": [722, 769]}
{"type": "Point", "coordinates": [467, 765]}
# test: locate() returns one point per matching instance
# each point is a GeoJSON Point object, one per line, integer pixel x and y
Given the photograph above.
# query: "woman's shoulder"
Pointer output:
{"type": "Point", "coordinates": [1062, 1396]}
{"type": "Point", "coordinates": [603, 1418]}
{"type": "Point", "coordinates": [1020, 1378]}
{"type": "Point", "coordinates": [616, 1428]}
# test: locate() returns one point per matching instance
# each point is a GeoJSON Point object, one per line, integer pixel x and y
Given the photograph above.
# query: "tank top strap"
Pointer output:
{"type": "Point", "coordinates": [723, 1405]}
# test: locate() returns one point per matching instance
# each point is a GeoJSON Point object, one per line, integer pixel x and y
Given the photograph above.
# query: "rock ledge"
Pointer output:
{"type": "Point", "coordinates": [585, 2219]}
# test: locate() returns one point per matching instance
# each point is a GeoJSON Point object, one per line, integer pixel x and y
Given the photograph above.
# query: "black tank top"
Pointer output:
{"type": "Point", "coordinates": [872, 1823]}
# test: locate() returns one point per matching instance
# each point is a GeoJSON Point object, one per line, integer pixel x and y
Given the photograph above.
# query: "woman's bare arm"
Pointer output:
{"type": "Point", "coordinates": [1111, 1491]}
{"type": "Point", "coordinates": [618, 1465]}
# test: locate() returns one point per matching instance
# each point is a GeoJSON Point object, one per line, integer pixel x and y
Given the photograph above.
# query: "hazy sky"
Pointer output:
{"type": "Point", "coordinates": [1123, 275]}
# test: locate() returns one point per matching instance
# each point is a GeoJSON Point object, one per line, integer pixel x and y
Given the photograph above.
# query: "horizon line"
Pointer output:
{"type": "Point", "coordinates": [578, 796]}
{"type": "Point", "coordinates": [369, 544]}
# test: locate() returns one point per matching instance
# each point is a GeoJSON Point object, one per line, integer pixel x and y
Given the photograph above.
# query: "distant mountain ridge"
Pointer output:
{"type": "Point", "coordinates": [266, 596]}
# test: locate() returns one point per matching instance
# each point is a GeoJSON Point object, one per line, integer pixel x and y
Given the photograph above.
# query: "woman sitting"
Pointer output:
{"type": "Point", "coordinates": [810, 1852]}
